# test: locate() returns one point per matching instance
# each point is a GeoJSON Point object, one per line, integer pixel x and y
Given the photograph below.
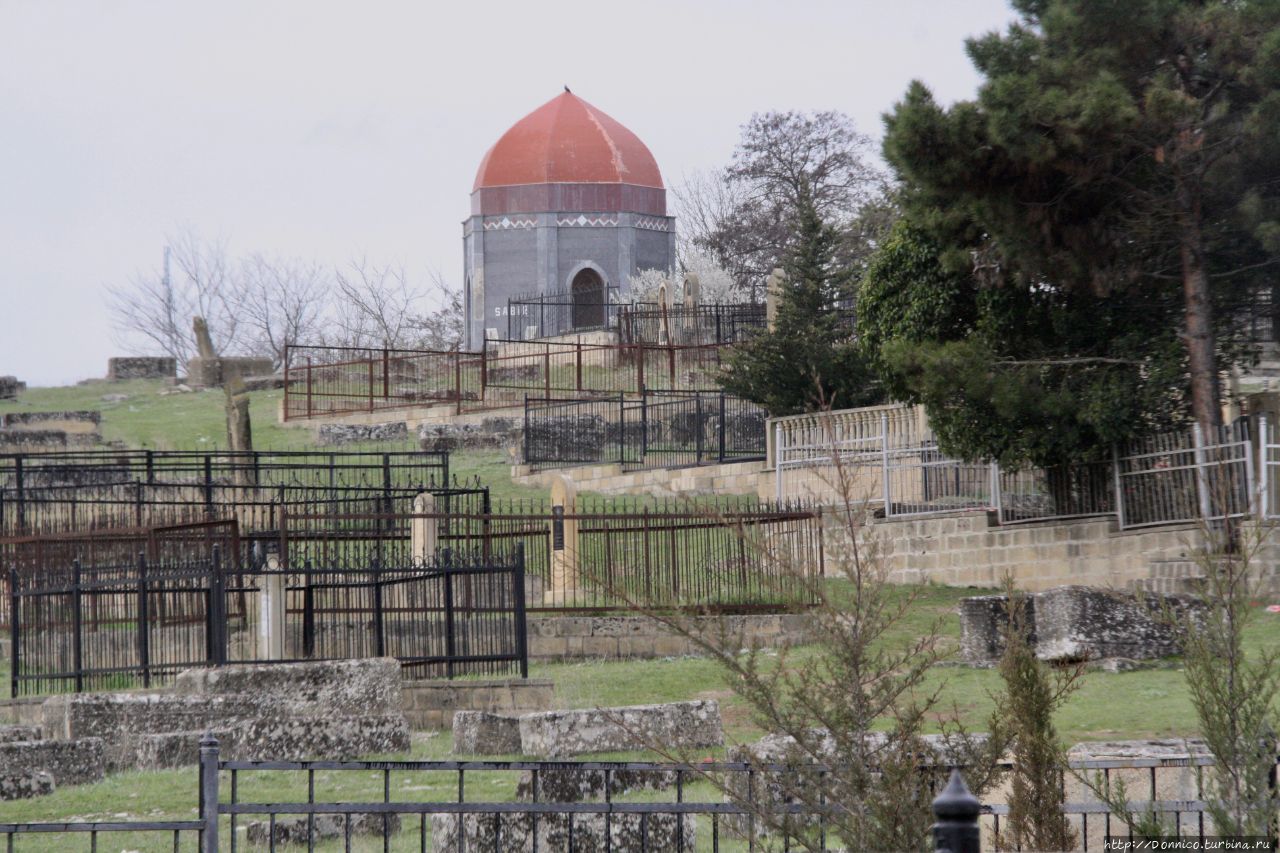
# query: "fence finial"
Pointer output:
{"type": "Point", "coordinates": [956, 810]}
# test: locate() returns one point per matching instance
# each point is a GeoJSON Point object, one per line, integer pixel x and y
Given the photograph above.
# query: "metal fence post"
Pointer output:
{"type": "Point", "coordinates": [777, 461]}
{"type": "Point", "coordinates": [285, 373]}
{"type": "Point", "coordinates": [14, 619]}
{"type": "Point", "coordinates": [209, 793]}
{"type": "Point", "coordinates": [449, 645]}
{"type": "Point", "coordinates": [216, 612]}
{"type": "Point", "coordinates": [697, 423]}
{"type": "Point", "coordinates": [77, 648]}
{"type": "Point", "coordinates": [1264, 456]}
{"type": "Point", "coordinates": [995, 491]}
{"type": "Point", "coordinates": [884, 464]}
{"type": "Point", "coordinates": [722, 423]}
{"type": "Point", "coordinates": [379, 626]}
{"type": "Point", "coordinates": [1115, 473]}
{"type": "Point", "coordinates": [522, 642]}
{"type": "Point", "coordinates": [956, 811]}
{"type": "Point", "coordinates": [144, 638]}
{"type": "Point", "coordinates": [1202, 485]}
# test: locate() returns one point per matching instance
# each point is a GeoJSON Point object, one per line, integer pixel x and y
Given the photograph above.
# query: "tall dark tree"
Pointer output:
{"type": "Point", "coordinates": [1021, 375]}
{"type": "Point", "coordinates": [1114, 146]}
{"type": "Point", "coordinates": [809, 359]}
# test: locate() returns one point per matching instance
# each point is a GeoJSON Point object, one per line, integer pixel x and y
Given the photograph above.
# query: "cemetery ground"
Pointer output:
{"type": "Point", "coordinates": [1151, 701]}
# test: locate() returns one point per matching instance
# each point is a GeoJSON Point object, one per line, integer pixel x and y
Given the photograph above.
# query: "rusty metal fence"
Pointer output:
{"type": "Point", "coordinates": [609, 554]}
{"type": "Point", "coordinates": [326, 381]}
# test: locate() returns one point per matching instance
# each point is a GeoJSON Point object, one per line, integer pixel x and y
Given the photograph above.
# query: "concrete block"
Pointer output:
{"type": "Point", "coordinates": [482, 733]}
{"type": "Point", "coordinates": [674, 725]}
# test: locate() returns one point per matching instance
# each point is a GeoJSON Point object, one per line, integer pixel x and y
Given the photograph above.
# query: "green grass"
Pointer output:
{"type": "Point", "coordinates": [1152, 702]}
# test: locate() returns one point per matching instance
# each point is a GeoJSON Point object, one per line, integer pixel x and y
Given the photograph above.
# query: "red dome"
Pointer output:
{"type": "Point", "coordinates": [568, 141]}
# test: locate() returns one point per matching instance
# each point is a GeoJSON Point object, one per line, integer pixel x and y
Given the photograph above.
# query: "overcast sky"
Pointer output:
{"type": "Point", "coordinates": [332, 130]}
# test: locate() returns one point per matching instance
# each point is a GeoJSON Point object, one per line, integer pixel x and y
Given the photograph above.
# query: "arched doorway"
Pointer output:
{"type": "Point", "coordinates": [587, 289]}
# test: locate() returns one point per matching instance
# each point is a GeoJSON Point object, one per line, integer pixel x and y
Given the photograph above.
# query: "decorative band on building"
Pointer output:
{"type": "Point", "coordinates": [582, 220]}
{"type": "Point", "coordinates": [507, 222]}
{"type": "Point", "coordinates": [653, 223]}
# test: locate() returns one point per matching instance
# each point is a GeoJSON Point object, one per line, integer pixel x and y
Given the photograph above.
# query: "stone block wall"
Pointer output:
{"type": "Point", "coordinates": [430, 705]}
{"type": "Point", "coordinates": [141, 367]}
{"type": "Point", "coordinates": [969, 549]}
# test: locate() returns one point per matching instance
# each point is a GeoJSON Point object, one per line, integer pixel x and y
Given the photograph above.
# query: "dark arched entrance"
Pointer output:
{"type": "Point", "coordinates": [587, 289]}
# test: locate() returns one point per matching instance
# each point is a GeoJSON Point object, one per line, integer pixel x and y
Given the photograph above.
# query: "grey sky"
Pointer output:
{"type": "Point", "coordinates": [330, 130]}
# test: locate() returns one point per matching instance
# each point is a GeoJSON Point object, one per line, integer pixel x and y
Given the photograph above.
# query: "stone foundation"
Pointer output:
{"type": "Point", "coordinates": [430, 705]}
{"type": "Point", "coordinates": [481, 733]}
{"type": "Point", "coordinates": [342, 687]}
{"type": "Point", "coordinates": [553, 638]}
{"type": "Point", "coordinates": [561, 734]}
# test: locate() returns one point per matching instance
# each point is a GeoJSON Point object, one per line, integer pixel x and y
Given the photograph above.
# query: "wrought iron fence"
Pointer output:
{"type": "Point", "coordinates": [700, 325]}
{"type": "Point", "coordinates": [301, 468]}
{"type": "Point", "coordinates": [883, 457]}
{"type": "Point", "coordinates": [324, 381]}
{"type": "Point", "coordinates": [545, 315]}
{"type": "Point", "coordinates": [731, 555]}
{"type": "Point", "coordinates": [90, 626]}
{"type": "Point", "coordinates": [660, 429]}
{"type": "Point", "coordinates": [625, 805]}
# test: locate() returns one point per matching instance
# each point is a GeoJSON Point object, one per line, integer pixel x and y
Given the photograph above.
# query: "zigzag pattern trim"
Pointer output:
{"type": "Point", "coordinates": [507, 222]}
{"type": "Point", "coordinates": [653, 223]}
{"type": "Point", "coordinates": [584, 221]}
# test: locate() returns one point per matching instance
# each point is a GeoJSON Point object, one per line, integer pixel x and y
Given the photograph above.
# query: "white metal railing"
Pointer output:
{"type": "Point", "coordinates": [883, 457]}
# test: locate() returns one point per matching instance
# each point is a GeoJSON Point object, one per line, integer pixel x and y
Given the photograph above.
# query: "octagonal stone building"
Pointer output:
{"type": "Point", "coordinates": [570, 202]}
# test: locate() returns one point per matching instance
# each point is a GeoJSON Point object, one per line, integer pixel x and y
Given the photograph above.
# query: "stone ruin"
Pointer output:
{"type": "Point", "coordinates": [43, 431]}
{"type": "Point", "coordinates": [123, 368]}
{"type": "Point", "coordinates": [210, 370]}
{"type": "Point", "coordinates": [10, 386]}
{"type": "Point", "coordinates": [1077, 623]}
{"type": "Point", "coordinates": [561, 734]}
{"type": "Point", "coordinates": [333, 710]}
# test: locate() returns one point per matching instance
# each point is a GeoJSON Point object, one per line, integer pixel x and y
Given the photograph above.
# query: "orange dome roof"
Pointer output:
{"type": "Point", "coordinates": [566, 140]}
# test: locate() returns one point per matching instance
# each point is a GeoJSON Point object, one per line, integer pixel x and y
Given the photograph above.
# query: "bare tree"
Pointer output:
{"type": "Point", "coordinates": [153, 311]}
{"type": "Point", "coordinates": [281, 301]}
{"type": "Point", "coordinates": [744, 215]}
{"type": "Point", "coordinates": [376, 308]}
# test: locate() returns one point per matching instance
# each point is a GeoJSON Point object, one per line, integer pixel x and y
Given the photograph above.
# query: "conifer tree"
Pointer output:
{"type": "Point", "coordinates": [808, 360]}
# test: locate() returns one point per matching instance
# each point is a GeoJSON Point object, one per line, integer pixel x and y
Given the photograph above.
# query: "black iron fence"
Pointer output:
{"type": "Point", "coordinates": [302, 468]}
{"type": "Point", "coordinates": [136, 623]}
{"type": "Point", "coordinates": [660, 429]}
{"type": "Point", "coordinates": [545, 315]}
{"type": "Point", "coordinates": [697, 325]}
{"type": "Point", "coordinates": [730, 555]}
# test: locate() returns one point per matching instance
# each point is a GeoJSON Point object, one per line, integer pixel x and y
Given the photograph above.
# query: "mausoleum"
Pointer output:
{"type": "Point", "coordinates": [567, 201]}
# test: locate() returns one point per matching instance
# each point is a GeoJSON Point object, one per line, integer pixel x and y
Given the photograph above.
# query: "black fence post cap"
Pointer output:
{"type": "Point", "coordinates": [208, 741]}
{"type": "Point", "coordinates": [956, 803]}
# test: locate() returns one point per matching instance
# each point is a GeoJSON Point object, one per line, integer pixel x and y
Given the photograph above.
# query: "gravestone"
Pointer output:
{"type": "Point", "coordinates": [564, 541]}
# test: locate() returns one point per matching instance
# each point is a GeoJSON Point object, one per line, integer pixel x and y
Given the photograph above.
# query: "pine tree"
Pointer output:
{"type": "Point", "coordinates": [808, 360]}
